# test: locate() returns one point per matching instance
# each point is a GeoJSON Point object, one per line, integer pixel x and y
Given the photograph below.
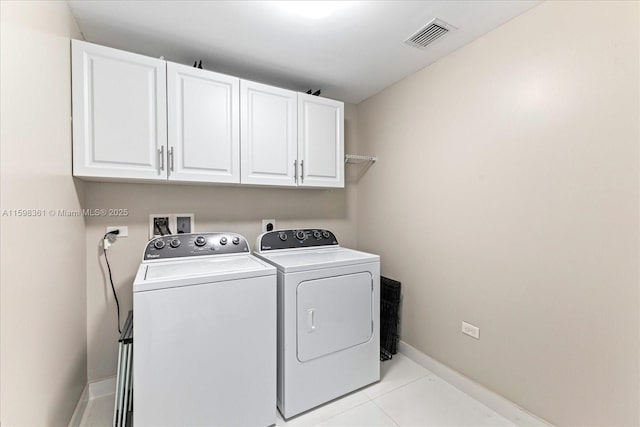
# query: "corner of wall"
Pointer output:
{"type": "Point", "coordinates": [43, 305]}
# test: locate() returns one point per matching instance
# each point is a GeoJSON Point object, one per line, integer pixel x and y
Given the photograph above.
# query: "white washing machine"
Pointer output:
{"type": "Point", "coordinates": [328, 317]}
{"type": "Point", "coordinates": [204, 334]}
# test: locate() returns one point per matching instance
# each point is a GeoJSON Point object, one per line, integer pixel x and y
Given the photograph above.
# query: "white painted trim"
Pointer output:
{"type": "Point", "coordinates": [501, 405]}
{"type": "Point", "coordinates": [102, 387]}
{"type": "Point", "coordinates": [91, 391]}
{"type": "Point", "coordinates": [78, 413]}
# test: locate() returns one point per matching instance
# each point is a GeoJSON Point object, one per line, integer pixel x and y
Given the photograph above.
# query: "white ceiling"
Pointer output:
{"type": "Point", "coordinates": [351, 54]}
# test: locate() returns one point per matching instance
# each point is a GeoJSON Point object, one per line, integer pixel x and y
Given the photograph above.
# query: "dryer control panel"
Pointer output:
{"type": "Point", "coordinates": [295, 238]}
{"type": "Point", "coordinates": [195, 244]}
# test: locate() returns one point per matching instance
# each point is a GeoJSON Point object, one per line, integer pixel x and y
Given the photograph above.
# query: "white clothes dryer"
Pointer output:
{"type": "Point", "coordinates": [204, 333]}
{"type": "Point", "coordinates": [328, 317]}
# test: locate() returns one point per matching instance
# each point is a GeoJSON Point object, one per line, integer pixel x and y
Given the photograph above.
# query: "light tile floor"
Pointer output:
{"type": "Point", "coordinates": [407, 395]}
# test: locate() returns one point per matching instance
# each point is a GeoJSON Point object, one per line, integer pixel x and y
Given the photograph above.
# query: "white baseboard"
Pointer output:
{"type": "Point", "coordinates": [92, 390]}
{"type": "Point", "coordinates": [501, 405]}
{"type": "Point", "coordinates": [102, 387]}
{"type": "Point", "coordinates": [76, 418]}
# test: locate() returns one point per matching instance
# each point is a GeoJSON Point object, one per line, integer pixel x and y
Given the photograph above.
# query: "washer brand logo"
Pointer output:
{"type": "Point", "coordinates": [266, 247]}
{"type": "Point", "coordinates": [153, 255]}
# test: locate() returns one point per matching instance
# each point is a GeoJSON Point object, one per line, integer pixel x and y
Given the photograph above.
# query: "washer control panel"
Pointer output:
{"type": "Point", "coordinates": [195, 244]}
{"type": "Point", "coordinates": [295, 238]}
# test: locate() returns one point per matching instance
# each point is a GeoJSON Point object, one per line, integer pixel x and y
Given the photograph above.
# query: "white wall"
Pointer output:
{"type": "Point", "coordinates": [216, 208]}
{"type": "Point", "coordinates": [42, 297]}
{"type": "Point", "coordinates": [507, 193]}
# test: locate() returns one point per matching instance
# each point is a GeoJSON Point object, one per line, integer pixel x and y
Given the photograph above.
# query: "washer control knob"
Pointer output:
{"type": "Point", "coordinates": [236, 240]}
{"type": "Point", "coordinates": [174, 243]}
{"type": "Point", "coordinates": [283, 236]}
{"type": "Point", "coordinates": [300, 235]}
{"type": "Point", "coordinates": [223, 240]}
{"type": "Point", "coordinates": [159, 244]}
{"type": "Point", "coordinates": [317, 234]}
{"type": "Point", "coordinates": [325, 234]}
{"type": "Point", "coordinates": [200, 241]}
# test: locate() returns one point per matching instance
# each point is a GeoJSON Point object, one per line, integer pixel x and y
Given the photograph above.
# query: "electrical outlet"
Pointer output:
{"type": "Point", "coordinates": [268, 225]}
{"type": "Point", "coordinates": [472, 331]}
{"type": "Point", "coordinates": [124, 231]}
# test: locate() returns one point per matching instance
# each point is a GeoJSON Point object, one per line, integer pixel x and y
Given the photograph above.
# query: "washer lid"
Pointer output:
{"type": "Point", "coordinates": [311, 259]}
{"type": "Point", "coordinates": [172, 274]}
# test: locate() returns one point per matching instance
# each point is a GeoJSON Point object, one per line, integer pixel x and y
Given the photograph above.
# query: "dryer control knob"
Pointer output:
{"type": "Point", "coordinates": [223, 240]}
{"type": "Point", "coordinates": [325, 234]}
{"type": "Point", "coordinates": [200, 241]}
{"type": "Point", "coordinates": [236, 240]}
{"type": "Point", "coordinates": [317, 234]}
{"type": "Point", "coordinates": [159, 244]}
{"type": "Point", "coordinates": [174, 243]}
{"type": "Point", "coordinates": [283, 236]}
{"type": "Point", "coordinates": [300, 235]}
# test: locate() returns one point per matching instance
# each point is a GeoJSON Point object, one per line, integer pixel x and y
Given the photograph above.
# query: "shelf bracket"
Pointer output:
{"type": "Point", "coordinates": [365, 161]}
{"type": "Point", "coordinates": [355, 159]}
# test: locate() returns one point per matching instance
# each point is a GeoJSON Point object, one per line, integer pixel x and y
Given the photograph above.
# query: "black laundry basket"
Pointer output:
{"type": "Point", "coordinates": [389, 317]}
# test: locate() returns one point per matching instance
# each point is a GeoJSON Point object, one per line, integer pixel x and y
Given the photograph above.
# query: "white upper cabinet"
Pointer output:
{"type": "Point", "coordinates": [320, 141]}
{"type": "Point", "coordinates": [268, 134]}
{"type": "Point", "coordinates": [203, 125]}
{"type": "Point", "coordinates": [141, 118]}
{"type": "Point", "coordinates": [119, 113]}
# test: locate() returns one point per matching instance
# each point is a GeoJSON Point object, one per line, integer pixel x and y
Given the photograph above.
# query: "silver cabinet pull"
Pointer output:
{"type": "Point", "coordinates": [295, 171]}
{"type": "Point", "coordinates": [171, 159]}
{"type": "Point", "coordinates": [161, 159]}
{"type": "Point", "coordinates": [302, 171]}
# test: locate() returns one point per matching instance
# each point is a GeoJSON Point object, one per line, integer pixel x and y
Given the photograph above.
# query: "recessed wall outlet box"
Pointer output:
{"type": "Point", "coordinates": [184, 223]}
{"type": "Point", "coordinates": [124, 231]}
{"type": "Point", "coordinates": [159, 225]}
{"type": "Point", "coordinates": [268, 225]}
{"type": "Point", "coordinates": [163, 224]}
{"type": "Point", "coordinates": [472, 331]}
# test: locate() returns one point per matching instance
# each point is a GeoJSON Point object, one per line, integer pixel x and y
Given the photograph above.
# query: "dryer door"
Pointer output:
{"type": "Point", "coordinates": [334, 313]}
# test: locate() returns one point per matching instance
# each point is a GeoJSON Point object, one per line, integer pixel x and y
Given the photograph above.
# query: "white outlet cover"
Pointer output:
{"type": "Point", "coordinates": [471, 330]}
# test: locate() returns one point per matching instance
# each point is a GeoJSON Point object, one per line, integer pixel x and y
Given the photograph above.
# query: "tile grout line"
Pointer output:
{"type": "Point", "coordinates": [372, 399]}
{"type": "Point", "coordinates": [486, 397]}
{"type": "Point", "coordinates": [342, 412]}
{"type": "Point", "coordinates": [385, 412]}
{"type": "Point", "coordinates": [403, 385]}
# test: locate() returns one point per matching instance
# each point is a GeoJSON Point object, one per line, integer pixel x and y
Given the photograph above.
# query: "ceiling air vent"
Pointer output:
{"type": "Point", "coordinates": [429, 33]}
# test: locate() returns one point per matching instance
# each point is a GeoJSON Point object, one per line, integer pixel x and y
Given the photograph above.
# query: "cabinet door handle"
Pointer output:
{"type": "Point", "coordinates": [161, 159]}
{"type": "Point", "coordinates": [171, 159]}
{"type": "Point", "coordinates": [295, 171]}
{"type": "Point", "coordinates": [302, 171]}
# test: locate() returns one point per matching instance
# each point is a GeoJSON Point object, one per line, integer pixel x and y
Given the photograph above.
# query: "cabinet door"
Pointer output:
{"type": "Point", "coordinates": [204, 126]}
{"type": "Point", "coordinates": [268, 134]}
{"type": "Point", "coordinates": [119, 113]}
{"type": "Point", "coordinates": [320, 141]}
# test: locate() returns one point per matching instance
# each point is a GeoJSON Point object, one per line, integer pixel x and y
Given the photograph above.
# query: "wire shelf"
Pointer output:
{"type": "Point", "coordinates": [355, 159]}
